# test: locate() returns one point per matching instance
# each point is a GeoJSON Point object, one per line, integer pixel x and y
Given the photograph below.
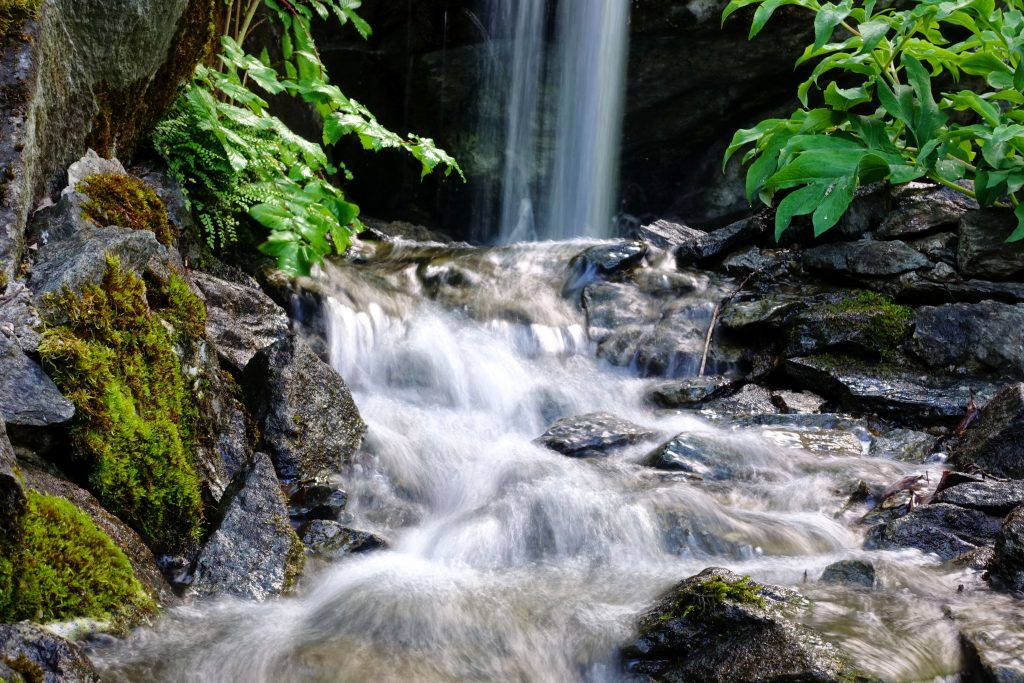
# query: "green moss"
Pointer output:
{"type": "Point", "coordinates": [65, 567]}
{"type": "Point", "coordinates": [14, 12]}
{"type": "Point", "coordinates": [705, 597]}
{"type": "Point", "coordinates": [135, 415]}
{"type": "Point", "coordinates": [888, 324]}
{"type": "Point", "coordinates": [126, 201]}
{"type": "Point", "coordinates": [29, 670]}
{"type": "Point", "coordinates": [296, 559]}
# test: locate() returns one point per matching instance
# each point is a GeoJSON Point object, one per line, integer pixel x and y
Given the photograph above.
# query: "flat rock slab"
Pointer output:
{"type": "Point", "coordinates": [994, 497]}
{"type": "Point", "coordinates": [945, 530]}
{"type": "Point", "coordinates": [920, 210]}
{"type": "Point", "coordinates": [708, 247]}
{"type": "Point", "coordinates": [867, 258]}
{"type": "Point", "coordinates": [28, 397]}
{"type": "Point", "coordinates": [986, 337]}
{"type": "Point", "coordinates": [665, 234]}
{"type": "Point", "coordinates": [593, 434]}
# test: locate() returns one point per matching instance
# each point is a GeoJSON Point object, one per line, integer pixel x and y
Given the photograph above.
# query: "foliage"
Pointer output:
{"type": "Point", "coordinates": [65, 567]}
{"type": "Point", "coordinates": [114, 359]}
{"type": "Point", "coordinates": [13, 12]}
{"type": "Point", "coordinates": [878, 118]}
{"type": "Point", "coordinates": [888, 323]}
{"type": "Point", "coordinates": [125, 201]}
{"type": "Point", "coordinates": [703, 597]}
{"type": "Point", "coordinates": [234, 158]}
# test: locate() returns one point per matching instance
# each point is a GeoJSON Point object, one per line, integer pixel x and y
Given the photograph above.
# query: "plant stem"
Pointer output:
{"type": "Point", "coordinates": [951, 185]}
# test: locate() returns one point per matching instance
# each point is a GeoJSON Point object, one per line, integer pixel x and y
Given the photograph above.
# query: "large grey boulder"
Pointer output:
{"type": "Point", "coordinates": [1008, 566]}
{"type": "Point", "coordinates": [12, 493]}
{"type": "Point", "coordinates": [983, 252]}
{"type": "Point", "coordinates": [253, 552]}
{"type": "Point", "coordinates": [28, 397]}
{"type": "Point", "coordinates": [593, 434]}
{"type": "Point", "coordinates": [867, 258]}
{"type": "Point", "coordinates": [994, 441]}
{"type": "Point", "coordinates": [707, 247]}
{"type": "Point", "coordinates": [43, 657]}
{"type": "Point", "coordinates": [92, 73]}
{"type": "Point", "coordinates": [994, 497]}
{"type": "Point", "coordinates": [945, 530]}
{"type": "Point", "coordinates": [240, 320]}
{"type": "Point", "coordinates": [719, 627]}
{"type": "Point", "coordinates": [305, 414]}
{"type": "Point", "coordinates": [982, 337]}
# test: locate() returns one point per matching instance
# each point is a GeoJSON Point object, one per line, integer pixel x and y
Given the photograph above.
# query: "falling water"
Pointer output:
{"type": "Point", "coordinates": [564, 98]}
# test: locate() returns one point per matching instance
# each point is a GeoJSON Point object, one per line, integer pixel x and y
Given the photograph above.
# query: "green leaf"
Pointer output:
{"type": "Point", "coordinates": [844, 99]}
{"type": "Point", "coordinates": [826, 19]}
{"type": "Point", "coordinates": [1018, 233]}
{"type": "Point", "coordinates": [834, 204]}
{"type": "Point", "coordinates": [815, 166]}
{"type": "Point", "coordinates": [989, 187]}
{"type": "Point", "coordinates": [871, 32]}
{"type": "Point", "coordinates": [798, 203]}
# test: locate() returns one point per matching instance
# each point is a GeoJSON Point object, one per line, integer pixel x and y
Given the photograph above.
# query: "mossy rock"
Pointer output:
{"type": "Point", "coordinates": [14, 12]}
{"type": "Point", "coordinates": [65, 567]}
{"type": "Point", "coordinates": [124, 201]}
{"type": "Point", "coordinates": [864, 322]}
{"type": "Point", "coordinates": [136, 416]}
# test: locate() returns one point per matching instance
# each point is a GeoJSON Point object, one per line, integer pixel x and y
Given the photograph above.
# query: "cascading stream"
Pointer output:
{"type": "Point", "coordinates": [510, 562]}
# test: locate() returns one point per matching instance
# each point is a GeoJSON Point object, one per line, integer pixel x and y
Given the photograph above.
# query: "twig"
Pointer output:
{"type": "Point", "coordinates": [718, 311]}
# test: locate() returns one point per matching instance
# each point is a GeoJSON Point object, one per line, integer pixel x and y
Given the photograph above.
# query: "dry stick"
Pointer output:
{"type": "Point", "coordinates": [718, 311]}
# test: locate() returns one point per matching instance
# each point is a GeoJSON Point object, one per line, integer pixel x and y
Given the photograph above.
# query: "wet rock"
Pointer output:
{"type": "Point", "coordinates": [865, 258]}
{"type": "Point", "coordinates": [751, 633]}
{"type": "Point", "coordinates": [611, 306]}
{"type": "Point", "coordinates": [982, 337]}
{"type": "Point", "coordinates": [920, 291]}
{"type": "Point", "coordinates": [994, 441]}
{"type": "Point", "coordinates": [42, 657]}
{"type": "Point", "coordinates": [331, 540]}
{"type": "Point", "coordinates": [19, 319]}
{"type": "Point", "coordinates": [942, 529]}
{"type": "Point", "coordinates": [63, 219]}
{"type": "Point", "coordinates": [682, 536]}
{"type": "Point", "coordinates": [307, 419]}
{"type": "Point", "coordinates": [688, 392]}
{"type": "Point", "coordinates": [924, 208]}
{"type": "Point", "coordinates": [28, 397]}
{"type": "Point", "coordinates": [657, 281]}
{"type": "Point", "coordinates": [977, 560]}
{"type": "Point", "coordinates": [770, 312]}
{"type": "Point", "coordinates": [749, 260]}
{"type": "Point", "coordinates": [593, 434]}
{"type": "Point", "coordinates": [886, 390]}
{"type": "Point", "coordinates": [940, 248]}
{"type": "Point", "coordinates": [752, 399]}
{"type": "Point", "coordinates": [253, 552]}
{"type": "Point", "coordinates": [241, 321]}
{"type": "Point", "coordinates": [231, 428]}
{"type": "Point", "coordinates": [702, 249]}
{"type": "Point", "coordinates": [144, 564]}
{"type": "Point", "coordinates": [665, 234]}
{"type": "Point", "coordinates": [994, 497]}
{"type": "Point", "coordinates": [823, 441]}
{"type": "Point", "coordinates": [906, 445]}
{"type": "Point", "coordinates": [988, 659]}
{"type": "Point", "coordinates": [855, 572]}
{"type": "Point", "coordinates": [12, 495]}
{"type": "Point", "coordinates": [797, 402]}
{"type": "Point", "coordinates": [390, 231]}
{"type": "Point", "coordinates": [1007, 569]}
{"type": "Point", "coordinates": [693, 454]}
{"type": "Point", "coordinates": [867, 324]}
{"type": "Point", "coordinates": [983, 252]}
{"type": "Point", "coordinates": [82, 258]}
{"type": "Point", "coordinates": [609, 259]}
{"type": "Point", "coordinates": [317, 501]}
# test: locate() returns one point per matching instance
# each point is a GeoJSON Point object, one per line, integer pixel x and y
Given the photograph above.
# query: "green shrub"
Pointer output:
{"type": "Point", "coordinates": [125, 201]}
{"type": "Point", "coordinates": [114, 359]}
{"type": "Point", "coordinates": [65, 567]}
{"type": "Point", "coordinates": [876, 116]}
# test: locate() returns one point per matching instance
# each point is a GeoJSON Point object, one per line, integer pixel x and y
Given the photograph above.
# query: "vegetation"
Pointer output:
{"type": "Point", "coordinates": [135, 416]}
{"type": "Point", "coordinates": [888, 323]}
{"type": "Point", "coordinates": [876, 116]}
{"type": "Point", "coordinates": [234, 159]}
{"type": "Point", "coordinates": [64, 567]}
{"type": "Point", "coordinates": [14, 12]}
{"type": "Point", "coordinates": [125, 201]}
{"type": "Point", "coordinates": [704, 597]}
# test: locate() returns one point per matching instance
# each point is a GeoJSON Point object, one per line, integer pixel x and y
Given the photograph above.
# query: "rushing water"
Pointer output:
{"type": "Point", "coordinates": [563, 90]}
{"type": "Point", "coordinates": [509, 562]}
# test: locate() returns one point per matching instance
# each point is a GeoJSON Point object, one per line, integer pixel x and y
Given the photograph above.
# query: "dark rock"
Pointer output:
{"type": "Point", "coordinates": [940, 247]}
{"type": "Point", "coordinates": [906, 445]}
{"type": "Point", "coordinates": [982, 337]}
{"type": "Point", "coordinates": [12, 495]}
{"type": "Point", "coordinates": [82, 258]}
{"type": "Point", "coordinates": [19, 320]}
{"type": "Point", "coordinates": [657, 281]}
{"type": "Point", "coordinates": [797, 402]}
{"type": "Point", "coordinates": [232, 429]}
{"type": "Point", "coordinates": [331, 540]}
{"type": "Point", "coordinates": [924, 208]}
{"type": "Point", "coordinates": [919, 291]}
{"type": "Point", "coordinates": [994, 497]}
{"type": "Point", "coordinates": [682, 535]}
{"type": "Point", "coordinates": [694, 454]}
{"type": "Point", "coordinates": [750, 400]}
{"type": "Point", "coordinates": [987, 659]}
{"type": "Point", "coordinates": [977, 560]}
{"type": "Point", "coordinates": [946, 530]}
{"type": "Point", "coordinates": [749, 260]}
{"type": "Point", "coordinates": [750, 634]}
{"type": "Point", "coordinates": [887, 390]}
{"type": "Point", "coordinates": [389, 231]}
{"type": "Point", "coordinates": [665, 234]}
{"type": "Point", "coordinates": [317, 501]}
{"type": "Point", "coordinates": [144, 564]}
{"type": "Point", "coordinates": [63, 219]}
{"type": "Point", "coordinates": [253, 552]}
{"type": "Point", "coordinates": [864, 258]}
{"type": "Point", "coordinates": [688, 392]}
{"type": "Point", "coordinates": [611, 306]}
{"type": "Point", "coordinates": [591, 435]}
{"type": "Point", "coordinates": [702, 249]}
{"type": "Point", "coordinates": [28, 397]}
{"type": "Point", "coordinates": [241, 321]}
{"type": "Point", "coordinates": [994, 441]}
{"type": "Point", "coordinates": [43, 657]}
{"type": "Point", "coordinates": [863, 324]}
{"type": "Point", "coordinates": [856, 572]}
{"type": "Point", "coordinates": [983, 252]}
{"type": "Point", "coordinates": [307, 419]}
{"type": "Point", "coordinates": [609, 259]}
{"type": "Point", "coordinates": [771, 312]}
{"type": "Point", "coordinates": [1007, 568]}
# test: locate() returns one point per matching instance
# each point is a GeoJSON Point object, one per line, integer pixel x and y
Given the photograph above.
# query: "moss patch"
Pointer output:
{"type": "Point", "coordinates": [125, 201]}
{"type": "Point", "coordinates": [703, 598]}
{"type": "Point", "coordinates": [135, 416]}
{"type": "Point", "coordinates": [14, 12]}
{"type": "Point", "coordinates": [65, 567]}
{"type": "Point", "coordinates": [888, 323]}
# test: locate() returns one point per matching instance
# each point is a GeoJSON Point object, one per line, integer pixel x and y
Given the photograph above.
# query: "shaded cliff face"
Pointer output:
{"type": "Point", "coordinates": [691, 85]}
{"type": "Point", "coordinates": [86, 73]}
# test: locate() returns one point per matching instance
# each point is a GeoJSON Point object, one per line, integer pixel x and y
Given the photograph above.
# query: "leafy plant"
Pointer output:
{"type": "Point", "coordinates": [876, 115]}
{"type": "Point", "coordinates": [234, 158]}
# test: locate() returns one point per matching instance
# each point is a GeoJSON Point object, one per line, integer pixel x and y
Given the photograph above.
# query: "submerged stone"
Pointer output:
{"type": "Point", "coordinates": [945, 530]}
{"type": "Point", "coordinates": [855, 572]}
{"type": "Point", "coordinates": [332, 540]}
{"type": "Point", "coordinates": [593, 434]}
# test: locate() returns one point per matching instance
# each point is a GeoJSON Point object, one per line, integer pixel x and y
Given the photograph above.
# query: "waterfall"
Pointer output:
{"type": "Point", "coordinates": [563, 91]}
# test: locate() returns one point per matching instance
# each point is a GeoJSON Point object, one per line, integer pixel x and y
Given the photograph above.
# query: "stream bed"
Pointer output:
{"type": "Point", "coordinates": [511, 562]}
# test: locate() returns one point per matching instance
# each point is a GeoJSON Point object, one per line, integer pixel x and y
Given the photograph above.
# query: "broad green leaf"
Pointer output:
{"type": "Point", "coordinates": [826, 19]}
{"type": "Point", "coordinates": [834, 204]}
{"type": "Point", "coordinates": [798, 203]}
{"type": "Point", "coordinates": [845, 98]}
{"type": "Point", "coordinates": [815, 166]}
{"type": "Point", "coordinates": [871, 32]}
{"type": "Point", "coordinates": [1018, 233]}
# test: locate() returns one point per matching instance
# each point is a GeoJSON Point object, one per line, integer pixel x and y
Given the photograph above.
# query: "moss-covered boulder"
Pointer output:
{"type": "Point", "coordinates": [720, 627]}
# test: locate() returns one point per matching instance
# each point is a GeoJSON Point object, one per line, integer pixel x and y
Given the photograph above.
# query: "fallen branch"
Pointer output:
{"type": "Point", "coordinates": [718, 311]}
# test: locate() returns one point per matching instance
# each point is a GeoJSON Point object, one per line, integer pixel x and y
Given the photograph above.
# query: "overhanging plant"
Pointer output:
{"type": "Point", "coordinates": [876, 114]}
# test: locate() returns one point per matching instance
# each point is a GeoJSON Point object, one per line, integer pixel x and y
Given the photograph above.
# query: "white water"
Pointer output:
{"type": "Point", "coordinates": [564, 103]}
{"type": "Point", "coordinates": [509, 562]}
